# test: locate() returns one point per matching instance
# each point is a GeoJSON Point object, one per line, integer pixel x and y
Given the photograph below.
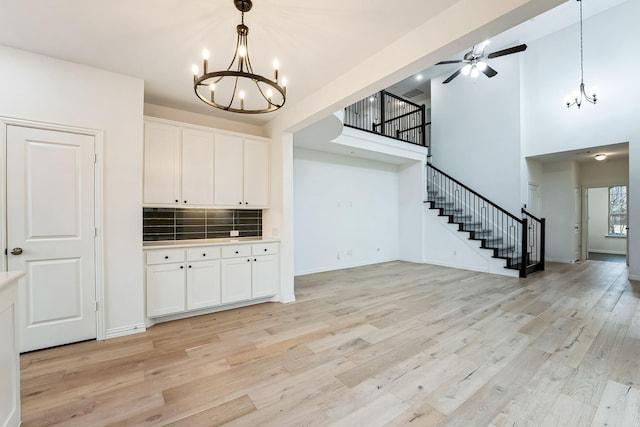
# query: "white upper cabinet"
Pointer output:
{"type": "Point", "coordinates": [256, 173]}
{"type": "Point", "coordinates": [186, 166]}
{"type": "Point", "coordinates": [241, 172]}
{"type": "Point", "coordinates": [229, 171]}
{"type": "Point", "coordinates": [162, 145]}
{"type": "Point", "coordinates": [197, 167]}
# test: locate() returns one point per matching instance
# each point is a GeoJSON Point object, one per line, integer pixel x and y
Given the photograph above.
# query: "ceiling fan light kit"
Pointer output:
{"type": "Point", "coordinates": [581, 94]}
{"type": "Point", "coordinates": [475, 61]}
{"type": "Point", "coordinates": [227, 89]}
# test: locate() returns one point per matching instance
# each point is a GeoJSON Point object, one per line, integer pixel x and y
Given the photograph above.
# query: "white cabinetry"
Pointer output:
{"type": "Point", "coordinates": [194, 166]}
{"type": "Point", "coordinates": [249, 272]}
{"type": "Point", "coordinates": [192, 278]}
{"type": "Point", "coordinates": [179, 280]}
{"type": "Point", "coordinates": [178, 165]}
{"type": "Point", "coordinates": [203, 278]}
{"type": "Point", "coordinates": [161, 163]}
{"type": "Point", "coordinates": [241, 172]}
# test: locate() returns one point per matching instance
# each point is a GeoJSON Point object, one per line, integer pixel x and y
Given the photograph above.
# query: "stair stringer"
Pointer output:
{"type": "Point", "coordinates": [445, 245]}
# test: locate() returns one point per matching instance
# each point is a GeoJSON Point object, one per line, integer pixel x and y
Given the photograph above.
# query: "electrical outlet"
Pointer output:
{"type": "Point", "coordinates": [234, 233]}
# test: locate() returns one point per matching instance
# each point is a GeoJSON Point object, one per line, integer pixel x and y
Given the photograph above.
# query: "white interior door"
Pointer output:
{"type": "Point", "coordinates": [577, 219]}
{"type": "Point", "coordinates": [50, 234]}
{"type": "Point", "coordinates": [533, 200]}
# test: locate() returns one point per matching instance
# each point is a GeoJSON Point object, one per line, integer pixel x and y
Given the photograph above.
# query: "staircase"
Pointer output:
{"type": "Point", "coordinates": [519, 241]}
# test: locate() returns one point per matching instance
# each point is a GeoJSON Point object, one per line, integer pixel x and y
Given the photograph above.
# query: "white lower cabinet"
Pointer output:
{"type": "Point", "coordinates": [194, 278]}
{"type": "Point", "coordinates": [264, 271]}
{"type": "Point", "coordinates": [236, 279]}
{"type": "Point", "coordinates": [203, 284]}
{"type": "Point", "coordinates": [165, 289]}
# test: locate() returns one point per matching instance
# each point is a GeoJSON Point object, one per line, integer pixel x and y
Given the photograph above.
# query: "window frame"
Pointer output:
{"type": "Point", "coordinates": [610, 226]}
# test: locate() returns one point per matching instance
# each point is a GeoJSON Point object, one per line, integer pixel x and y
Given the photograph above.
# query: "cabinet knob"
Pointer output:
{"type": "Point", "coordinates": [239, 203]}
{"type": "Point", "coordinates": [166, 257]}
{"type": "Point", "coordinates": [255, 259]}
{"type": "Point", "coordinates": [204, 254]}
{"type": "Point", "coordinates": [265, 249]}
{"type": "Point", "coordinates": [185, 201]}
{"type": "Point", "coordinates": [189, 266]}
{"type": "Point", "coordinates": [181, 267]}
{"type": "Point", "coordinates": [177, 201]}
{"type": "Point", "coordinates": [246, 203]}
{"type": "Point", "coordinates": [249, 260]}
{"type": "Point", "coordinates": [236, 251]}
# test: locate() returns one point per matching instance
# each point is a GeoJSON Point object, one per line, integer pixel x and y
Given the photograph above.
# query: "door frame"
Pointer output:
{"type": "Point", "coordinates": [98, 136]}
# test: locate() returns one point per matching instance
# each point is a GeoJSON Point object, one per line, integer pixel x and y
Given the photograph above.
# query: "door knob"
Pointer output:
{"type": "Point", "coordinates": [16, 251]}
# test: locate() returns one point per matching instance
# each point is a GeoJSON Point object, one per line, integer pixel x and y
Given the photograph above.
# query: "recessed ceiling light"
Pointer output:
{"type": "Point", "coordinates": [419, 77]}
{"type": "Point", "coordinates": [601, 157]}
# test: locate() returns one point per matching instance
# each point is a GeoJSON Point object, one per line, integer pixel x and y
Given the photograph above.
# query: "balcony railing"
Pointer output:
{"type": "Point", "coordinates": [389, 115]}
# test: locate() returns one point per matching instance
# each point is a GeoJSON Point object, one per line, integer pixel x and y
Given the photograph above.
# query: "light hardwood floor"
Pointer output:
{"type": "Point", "coordinates": [389, 344]}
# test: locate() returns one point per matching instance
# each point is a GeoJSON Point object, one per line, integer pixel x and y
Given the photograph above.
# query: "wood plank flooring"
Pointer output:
{"type": "Point", "coordinates": [390, 344]}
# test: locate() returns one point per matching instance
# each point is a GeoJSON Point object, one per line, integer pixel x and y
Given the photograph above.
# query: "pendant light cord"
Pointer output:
{"type": "Point", "coordinates": [581, 48]}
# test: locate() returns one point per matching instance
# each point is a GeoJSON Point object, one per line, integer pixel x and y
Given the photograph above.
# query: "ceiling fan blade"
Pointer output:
{"type": "Point", "coordinates": [508, 51]}
{"type": "Point", "coordinates": [452, 76]}
{"type": "Point", "coordinates": [489, 72]}
{"type": "Point", "coordinates": [456, 61]}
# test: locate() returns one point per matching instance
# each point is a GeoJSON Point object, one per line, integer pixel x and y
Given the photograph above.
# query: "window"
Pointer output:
{"type": "Point", "coordinates": [618, 210]}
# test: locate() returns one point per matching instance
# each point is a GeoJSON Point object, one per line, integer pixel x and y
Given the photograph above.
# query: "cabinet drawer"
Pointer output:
{"type": "Point", "coordinates": [203, 253]}
{"type": "Point", "coordinates": [236, 251]}
{"type": "Point", "coordinates": [165, 256]}
{"type": "Point", "coordinates": [264, 249]}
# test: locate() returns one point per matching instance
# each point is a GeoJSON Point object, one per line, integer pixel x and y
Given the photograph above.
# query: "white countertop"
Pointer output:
{"type": "Point", "coordinates": [8, 277]}
{"type": "Point", "coordinates": [207, 242]}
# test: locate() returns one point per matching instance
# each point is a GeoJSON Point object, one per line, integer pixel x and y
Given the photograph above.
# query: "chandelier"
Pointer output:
{"type": "Point", "coordinates": [229, 89]}
{"type": "Point", "coordinates": [581, 94]}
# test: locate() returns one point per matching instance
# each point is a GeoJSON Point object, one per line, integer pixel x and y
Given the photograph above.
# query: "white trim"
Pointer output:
{"type": "Point", "coordinates": [125, 330]}
{"type": "Point", "coordinates": [634, 277]}
{"type": "Point", "coordinates": [343, 266]}
{"type": "Point", "coordinates": [98, 136]}
{"type": "Point", "coordinates": [204, 128]}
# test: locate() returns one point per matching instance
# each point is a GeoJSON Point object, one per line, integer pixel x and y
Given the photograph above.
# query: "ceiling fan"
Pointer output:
{"type": "Point", "coordinates": [474, 61]}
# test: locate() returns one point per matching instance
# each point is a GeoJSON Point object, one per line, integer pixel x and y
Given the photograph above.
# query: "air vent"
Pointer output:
{"type": "Point", "coordinates": [412, 93]}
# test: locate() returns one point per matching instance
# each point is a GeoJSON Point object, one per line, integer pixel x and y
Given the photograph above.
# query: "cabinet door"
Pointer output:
{"type": "Point", "coordinates": [256, 173]}
{"type": "Point", "coordinates": [161, 163]}
{"type": "Point", "coordinates": [265, 275]}
{"type": "Point", "coordinates": [197, 167]}
{"type": "Point", "coordinates": [236, 279]}
{"type": "Point", "coordinates": [203, 284]}
{"type": "Point", "coordinates": [165, 289]}
{"type": "Point", "coordinates": [229, 175]}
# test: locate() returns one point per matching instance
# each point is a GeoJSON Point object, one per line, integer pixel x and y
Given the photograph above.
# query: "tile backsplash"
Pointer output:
{"type": "Point", "coordinates": [182, 224]}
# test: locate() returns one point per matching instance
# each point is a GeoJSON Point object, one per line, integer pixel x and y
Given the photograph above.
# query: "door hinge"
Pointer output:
{"type": "Point", "coordinates": [95, 158]}
{"type": "Point", "coordinates": [95, 231]}
{"type": "Point", "coordinates": [96, 305]}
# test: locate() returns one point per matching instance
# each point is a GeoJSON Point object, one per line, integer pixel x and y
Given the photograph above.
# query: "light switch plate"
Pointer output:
{"type": "Point", "coordinates": [234, 233]}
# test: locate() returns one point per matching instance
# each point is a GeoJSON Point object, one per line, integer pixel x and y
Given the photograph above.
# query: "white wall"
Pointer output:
{"type": "Point", "coordinates": [475, 135]}
{"type": "Point", "coordinates": [43, 89]}
{"type": "Point", "coordinates": [345, 211]}
{"type": "Point", "coordinates": [598, 224]}
{"type": "Point", "coordinates": [552, 70]}
{"type": "Point", "coordinates": [411, 197]}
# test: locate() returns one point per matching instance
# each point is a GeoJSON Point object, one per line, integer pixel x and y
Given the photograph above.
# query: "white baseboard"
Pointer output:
{"type": "Point", "coordinates": [458, 266]}
{"type": "Point", "coordinates": [561, 260]}
{"type": "Point", "coordinates": [125, 330]}
{"type": "Point", "coordinates": [342, 266]}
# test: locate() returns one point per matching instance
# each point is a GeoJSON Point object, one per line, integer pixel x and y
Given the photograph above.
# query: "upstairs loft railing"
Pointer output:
{"type": "Point", "coordinates": [520, 241]}
{"type": "Point", "coordinates": [387, 114]}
